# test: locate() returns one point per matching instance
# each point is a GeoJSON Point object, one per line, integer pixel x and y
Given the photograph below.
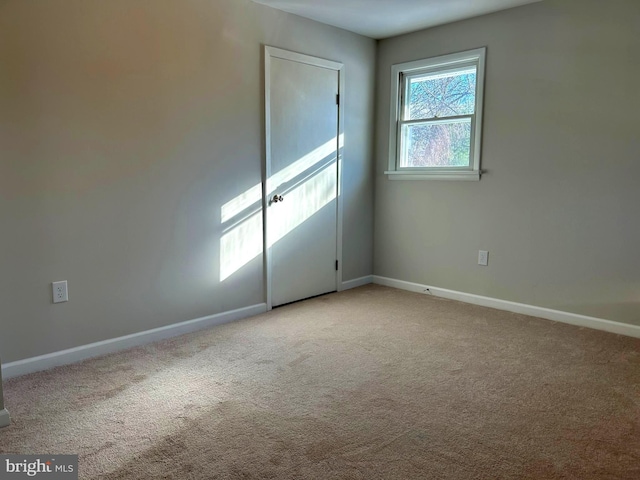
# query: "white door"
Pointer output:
{"type": "Point", "coordinates": [302, 175]}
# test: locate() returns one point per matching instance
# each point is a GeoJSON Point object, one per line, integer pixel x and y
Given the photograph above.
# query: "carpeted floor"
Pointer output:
{"type": "Point", "coordinates": [372, 383]}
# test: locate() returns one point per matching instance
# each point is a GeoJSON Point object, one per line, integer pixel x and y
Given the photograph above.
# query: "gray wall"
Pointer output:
{"type": "Point", "coordinates": [558, 208]}
{"type": "Point", "coordinates": [125, 125]}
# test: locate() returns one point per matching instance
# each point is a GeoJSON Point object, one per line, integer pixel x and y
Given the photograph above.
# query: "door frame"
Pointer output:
{"type": "Point", "coordinates": [273, 52]}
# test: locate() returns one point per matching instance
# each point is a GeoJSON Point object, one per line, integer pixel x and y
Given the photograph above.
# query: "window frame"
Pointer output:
{"type": "Point", "coordinates": [400, 75]}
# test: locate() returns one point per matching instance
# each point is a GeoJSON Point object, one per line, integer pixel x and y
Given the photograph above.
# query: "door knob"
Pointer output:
{"type": "Point", "coordinates": [277, 198]}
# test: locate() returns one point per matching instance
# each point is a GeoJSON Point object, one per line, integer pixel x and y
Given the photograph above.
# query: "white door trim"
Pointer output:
{"type": "Point", "coordinates": [273, 52]}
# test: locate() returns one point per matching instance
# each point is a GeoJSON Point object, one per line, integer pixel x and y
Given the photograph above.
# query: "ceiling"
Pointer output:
{"type": "Point", "coordinates": [386, 18]}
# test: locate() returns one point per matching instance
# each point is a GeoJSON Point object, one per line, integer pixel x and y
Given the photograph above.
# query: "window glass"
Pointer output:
{"type": "Point", "coordinates": [435, 128]}
{"type": "Point", "coordinates": [442, 144]}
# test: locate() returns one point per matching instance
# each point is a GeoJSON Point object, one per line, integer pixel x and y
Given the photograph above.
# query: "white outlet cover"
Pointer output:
{"type": "Point", "coordinates": [483, 258]}
{"type": "Point", "coordinates": [60, 292]}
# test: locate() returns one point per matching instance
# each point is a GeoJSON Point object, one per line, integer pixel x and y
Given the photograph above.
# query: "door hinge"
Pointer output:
{"type": "Point", "coordinates": [336, 265]}
{"type": "Point", "coordinates": [338, 99]}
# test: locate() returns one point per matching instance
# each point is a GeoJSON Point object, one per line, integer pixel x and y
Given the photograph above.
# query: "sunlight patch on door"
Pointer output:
{"type": "Point", "coordinates": [242, 240]}
{"type": "Point", "coordinates": [303, 164]}
{"type": "Point", "coordinates": [302, 202]}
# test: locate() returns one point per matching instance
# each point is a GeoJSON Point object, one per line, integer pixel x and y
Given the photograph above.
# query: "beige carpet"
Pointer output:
{"type": "Point", "coordinates": [373, 383]}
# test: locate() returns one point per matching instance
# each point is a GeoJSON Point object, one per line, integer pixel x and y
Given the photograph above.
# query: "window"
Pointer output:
{"type": "Point", "coordinates": [436, 117]}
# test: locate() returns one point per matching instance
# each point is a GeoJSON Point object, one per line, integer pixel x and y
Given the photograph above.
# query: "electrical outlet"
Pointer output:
{"type": "Point", "coordinates": [483, 258]}
{"type": "Point", "coordinates": [60, 292]}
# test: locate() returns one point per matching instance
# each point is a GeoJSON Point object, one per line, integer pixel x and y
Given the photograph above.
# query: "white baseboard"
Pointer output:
{"type": "Point", "coordinates": [5, 420]}
{"type": "Point", "coordinates": [358, 282]}
{"type": "Point", "coordinates": [72, 355]}
{"type": "Point", "coordinates": [547, 313]}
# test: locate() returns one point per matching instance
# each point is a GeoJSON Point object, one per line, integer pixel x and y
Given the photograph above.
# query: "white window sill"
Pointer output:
{"type": "Point", "coordinates": [467, 176]}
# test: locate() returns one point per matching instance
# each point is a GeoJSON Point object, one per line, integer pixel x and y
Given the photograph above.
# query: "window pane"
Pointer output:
{"type": "Point", "coordinates": [441, 94]}
{"type": "Point", "coordinates": [436, 144]}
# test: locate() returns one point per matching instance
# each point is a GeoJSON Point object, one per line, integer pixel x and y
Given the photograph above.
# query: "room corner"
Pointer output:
{"type": "Point", "coordinates": [5, 419]}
